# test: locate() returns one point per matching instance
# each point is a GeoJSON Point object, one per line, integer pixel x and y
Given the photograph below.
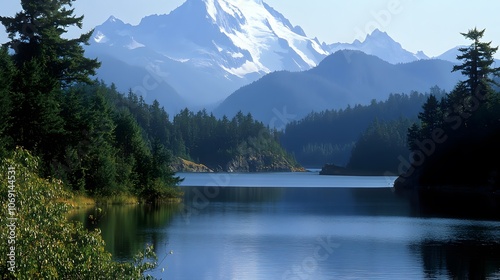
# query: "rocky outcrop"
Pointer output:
{"type": "Point", "coordinates": [261, 163]}
{"type": "Point", "coordinates": [183, 165]}
{"type": "Point", "coordinates": [332, 169]}
{"type": "Point", "coordinates": [241, 163]}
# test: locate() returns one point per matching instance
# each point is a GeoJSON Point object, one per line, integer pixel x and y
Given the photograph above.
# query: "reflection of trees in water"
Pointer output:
{"type": "Point", "coordinates": [472, 253]}
{"type": "Point", "coordinates": [470, 259]}
{"type": "Point", "coordinates": [232, 194]}
{"type": "Point", "coordinates": [329, 201]}
{"type": "Point", "coordinates": [449, 203]}
{"type": "Point", "coordinates": [126, 229]}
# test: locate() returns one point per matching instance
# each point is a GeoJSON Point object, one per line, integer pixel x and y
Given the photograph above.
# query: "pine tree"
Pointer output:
{"type": "Point", "coordinates": [46, 63]}
{"type": "Point", "coordinates": [477, 62]}
{"type": "Point", "coordinates": [431, 117]}
{"type": "Point", "coordinates": [101, 156]}
{"type": "Point", "coordinates": [6, 75]}
{"type": "Point", "coordinates": [36, 33]}
{"type": "Point", "coordinates": [473, 98]}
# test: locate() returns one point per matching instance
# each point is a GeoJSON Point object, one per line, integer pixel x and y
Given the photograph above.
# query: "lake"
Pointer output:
{"type": "Point", "coordinates": [300, 226]}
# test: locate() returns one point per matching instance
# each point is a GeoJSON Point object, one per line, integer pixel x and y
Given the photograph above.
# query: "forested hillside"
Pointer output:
{"type": "Point", "coordinates": [341, 79]}
{"type": "Point", "coordinates": [330, 136]}
{"type": "Point", "coordinates": [455, 143]}
{"type": "Point", "coordinates": [236, 144]}
{"type": "Point", "coordinates": [94, 138]}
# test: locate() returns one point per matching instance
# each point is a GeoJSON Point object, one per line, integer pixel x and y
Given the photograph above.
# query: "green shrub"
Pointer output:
{"type": "Point", "coordinates": [43, 243]}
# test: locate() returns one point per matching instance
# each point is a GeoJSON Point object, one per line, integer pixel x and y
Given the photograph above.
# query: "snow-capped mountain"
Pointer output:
{"type": "Point", "coordinates": [227, 43]}
{"type": "Point", "coordinates": [380, 44]}
{"type": "Point", "coordinates": [203, 51]}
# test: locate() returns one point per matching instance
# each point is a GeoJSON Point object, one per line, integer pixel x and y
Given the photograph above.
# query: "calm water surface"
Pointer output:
{"type": "Point", "coordinates": [301, 226]}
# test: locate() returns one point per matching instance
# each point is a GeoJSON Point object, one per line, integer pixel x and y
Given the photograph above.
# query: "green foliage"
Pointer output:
{"type": "Point", "coordinates": [36, 123]}
{"type": "Point", "coordinates": [46, 245]}
{"type": "Point", "coordinates": [107, 151]}
{"type": "Point", "coordinates": [470, 107]}
{"type": "Point", "coordinates": [218, 142]}
{"type": "Point", "coordinates": [7, 72]}
{"type": "Point", "coordinates": [328, 136]}
{"type": "Point", "coordinates": [36, 33]}
{"type": "Point", "coordinates": [464, 126]}
{"type": "Point", "coordinates": [380, 147]}
{"type": "Point", "coordinates": [478, 59]}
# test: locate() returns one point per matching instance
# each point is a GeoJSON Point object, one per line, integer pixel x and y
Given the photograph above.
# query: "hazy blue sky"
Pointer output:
{"type": "Point", "coordinates": [428, 25]}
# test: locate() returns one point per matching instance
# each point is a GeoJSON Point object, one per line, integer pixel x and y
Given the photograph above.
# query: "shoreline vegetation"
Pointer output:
{"type": "Point", "coordinates": [454, 166]}
{"type": "Point", "coordinates": [451, 164]}
{"type": "Point", "coordinates": [43, 243]}
{"type": "Point", "coordinates": [67, 141]}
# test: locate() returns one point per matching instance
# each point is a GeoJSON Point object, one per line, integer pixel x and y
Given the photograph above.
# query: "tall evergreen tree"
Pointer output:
{"type": "Point", "coordinates": [431, 117]}
{"type": "Point", "coordinates": [36, 32]}
{"type": "Point", "coordinates": [46, 62]}
{"type": "Point", "coordinates": [6, 75]}
{"type": "Point", "coordinates": [469, 130]}
{"type": "Point", "coordinates": [477, 62]}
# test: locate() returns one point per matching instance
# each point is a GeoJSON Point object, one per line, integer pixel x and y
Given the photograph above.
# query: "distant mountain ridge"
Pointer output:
{"type": "Point", "coordinates": [220, 44]}
{"type": "Point", "coordinates": [205, 50]}
{"type": "Point", "coordinates": [380, 44]}
{"type": "Point", "coordinates": [342, 79]}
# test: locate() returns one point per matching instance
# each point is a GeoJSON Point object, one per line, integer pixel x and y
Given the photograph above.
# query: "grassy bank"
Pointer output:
{"type": "Point", "coordinates": [78, 201]}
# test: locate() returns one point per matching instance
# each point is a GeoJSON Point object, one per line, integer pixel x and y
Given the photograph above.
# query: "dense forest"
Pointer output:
{"type": "Point", "coordinates": [101, 142]}
{"type": "Point", "coordinates": [63, 133]}
{"type": "Point", "coordinates": [203, 138]}
{"type": "Point", "coordinates": [82, 133]}
{"type": "Point", "coordinates": [380, 148]}
{"type": "Point", "coordinates": [331, 136]}
{"type": "Point", "coordinates": [455, 144]}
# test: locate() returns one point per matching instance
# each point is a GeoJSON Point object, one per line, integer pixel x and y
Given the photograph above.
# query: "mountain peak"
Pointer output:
{"type": "Point", "coordinates": [254, 35]}
{"type": "Point", "coordinates": [231, 42]}
{"type": "Point", "coordinates": [112, 19]}
{"type": "Point", "coordinates": [380, 44]}
{"type": "Point", "coordinates": [381, 38]}
{"type": "Point", "coordinates": [378, 33]}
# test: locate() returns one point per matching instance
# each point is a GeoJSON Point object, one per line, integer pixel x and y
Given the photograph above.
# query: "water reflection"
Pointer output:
{"type": "Point", "coordinates": [127, 229]}
{"type": "Point", "coordinates": [266, 232]}
{"type": "Point", "coordinates": [466, 259]}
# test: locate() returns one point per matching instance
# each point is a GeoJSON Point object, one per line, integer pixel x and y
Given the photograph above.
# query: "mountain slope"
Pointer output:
{"type": "Point", "coordinates": [343, 78]}
{"type": "Point", "coordinates": [128, 77]}
{"type": "Point", "coordinates": [220, 44]}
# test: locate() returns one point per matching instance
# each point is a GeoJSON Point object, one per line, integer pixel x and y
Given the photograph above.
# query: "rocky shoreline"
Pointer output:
{"type": "Point", "coordinates": [239, 164]}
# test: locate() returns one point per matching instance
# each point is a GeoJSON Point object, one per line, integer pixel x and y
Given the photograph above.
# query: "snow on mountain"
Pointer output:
{"type": "Point", "coordinates": [380, 44]}
{"type": "Point", "coordinates": [240, 37]}
{"type": "Point", "coordinates": [226, 43]}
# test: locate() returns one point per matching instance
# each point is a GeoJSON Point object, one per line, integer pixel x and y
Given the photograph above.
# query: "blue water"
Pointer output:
{"type": "Point", "coordinates": [284, 179]}
{"type": "Point", "coordinates": [304, 226]}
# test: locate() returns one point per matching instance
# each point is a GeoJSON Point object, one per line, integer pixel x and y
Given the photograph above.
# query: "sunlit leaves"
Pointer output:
{"type": "Point", "coordinates": [48, 246]}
